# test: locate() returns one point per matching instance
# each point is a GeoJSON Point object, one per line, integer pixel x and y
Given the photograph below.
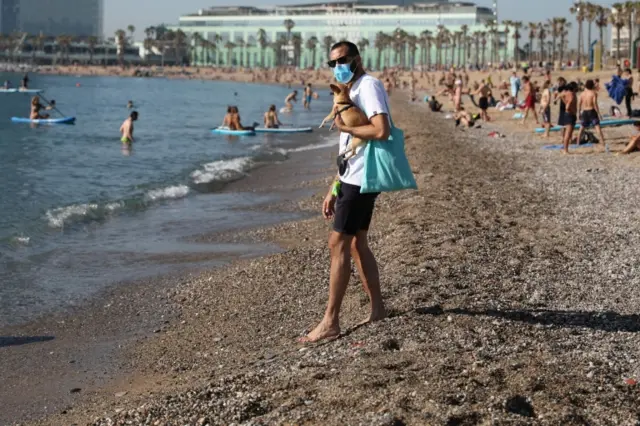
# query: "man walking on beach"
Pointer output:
{"type": "Point", "coordinates": [352, 211]}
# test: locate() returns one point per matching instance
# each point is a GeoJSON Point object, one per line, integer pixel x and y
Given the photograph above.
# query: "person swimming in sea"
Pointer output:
{"type": "Point", "coordinates": [126, 130]}
{"type": "Point", "coordinates": [292, 97]}
{"type": "Point", "coordinates": [36, 107]}
{"type": "Point", "coordinates": [130, 105]}
{"type": "Point", "coordinates": [308, 95]}
{"type": "Point", "coordinates": [271, 120]}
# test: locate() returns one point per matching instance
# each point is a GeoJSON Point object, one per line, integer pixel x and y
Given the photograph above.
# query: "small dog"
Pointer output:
{"type": "Point", "coordinates": [350, 114]}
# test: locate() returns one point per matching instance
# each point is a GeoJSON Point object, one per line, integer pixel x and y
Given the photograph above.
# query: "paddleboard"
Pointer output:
{"type": "Point", "coordinates": [227, 131]}
{"type": "Point", "coordinates": [606, 123]}
{"type": "Point", "coordinates": [32, 91]}
{"type": "Point", "coordinates": [572, 146]}
{"type": "Point", "coordinates": [284, 130]}
{"type": "Point", "coordinates": [285, 109]}
{"type": "Point", "coordinates": [61, 120]}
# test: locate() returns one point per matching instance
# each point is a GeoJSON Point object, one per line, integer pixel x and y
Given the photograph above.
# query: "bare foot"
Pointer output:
{"type": "Point", "coordinates": [565, 152]}
{"type": "Point", "coordinates": [375, 316]}
{"type": "Point", "coordinates": [321, 332]}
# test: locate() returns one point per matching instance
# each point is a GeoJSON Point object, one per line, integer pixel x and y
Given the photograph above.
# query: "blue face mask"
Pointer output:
{"type": "Point", "coordinates": [343, 73]}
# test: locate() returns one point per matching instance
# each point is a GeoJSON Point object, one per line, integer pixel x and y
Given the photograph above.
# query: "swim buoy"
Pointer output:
{"type": "Point", "coordinates": [78, 84]}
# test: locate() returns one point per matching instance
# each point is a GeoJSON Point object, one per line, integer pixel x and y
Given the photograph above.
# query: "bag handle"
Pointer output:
{"type": "Point", "coordinates": [388, 111]}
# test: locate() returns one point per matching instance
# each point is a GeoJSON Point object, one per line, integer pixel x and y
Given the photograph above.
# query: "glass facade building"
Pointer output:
{"type": "Point", "coordinates": [234, 30]}
{"type": "Point", "coordinates": [79, 18]}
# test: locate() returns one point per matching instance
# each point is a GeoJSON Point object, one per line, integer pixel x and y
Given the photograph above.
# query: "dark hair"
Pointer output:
{"type": "Point", "coordinates": [590, 84]}
{"type": "Point", "coordinates": [573, 86]}
{"type": "Point", "coordinates": [229, 109]}
{"type": "Point", "coordinates": [352, 49]}
{"type": "Point", "coordinates": [525, 78]}
{"type": "Point", "coordinates": [272, 108]}
{"type": "Point", "coordinates": [134, 115]}
{"type": "Point", "coordinates": [627, 70]}
{"type": "Point", "coordinates": [562, 80]}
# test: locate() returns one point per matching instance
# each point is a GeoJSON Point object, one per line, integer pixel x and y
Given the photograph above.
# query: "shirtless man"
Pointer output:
{"type": "Point", "coordinates": [589, 112]}
{"type": "Point", "coordinates": [545, 107]}
{"type": "Point", "coordinates": [457, 96]}
{"type": "Point", "coordinates": [483, 103]}
{"type": "Point", "coordinates": [570, 118]}
{"type": "Point", "coordinates": [292, 97]}
{"type": "Point", "coordinates": [126, 130]}
{"type": "Point", "coordinates": [529, 100]}
{"type": "Point", "coordinates": [308, 94]}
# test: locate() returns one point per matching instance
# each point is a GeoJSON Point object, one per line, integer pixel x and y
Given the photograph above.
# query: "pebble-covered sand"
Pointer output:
{"type": "Point", "coordinates": [513, 291]}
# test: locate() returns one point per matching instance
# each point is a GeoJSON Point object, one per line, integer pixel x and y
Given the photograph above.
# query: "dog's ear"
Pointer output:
{"type": "Point", "coordinates": [335, 89]}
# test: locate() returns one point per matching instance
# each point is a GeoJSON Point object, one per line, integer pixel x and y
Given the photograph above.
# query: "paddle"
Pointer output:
{"type": "Point", "coordinates": [53, 106]}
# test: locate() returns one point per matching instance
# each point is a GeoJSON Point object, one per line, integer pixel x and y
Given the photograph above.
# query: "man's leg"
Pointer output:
{"type": "Point", "coordinates": [368, 269]}
{"type": "Point", "coordinates": [568, 132]}
{"type": "Point", "coordinates": [339, 247]}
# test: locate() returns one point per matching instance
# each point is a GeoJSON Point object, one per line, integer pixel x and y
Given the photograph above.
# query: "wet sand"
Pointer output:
{"type": "Point", "coordinates": [510, 278]}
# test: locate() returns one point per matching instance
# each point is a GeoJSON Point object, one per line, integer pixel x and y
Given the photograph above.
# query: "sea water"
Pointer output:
{"type": "Point", "coordinates": [77, 212]}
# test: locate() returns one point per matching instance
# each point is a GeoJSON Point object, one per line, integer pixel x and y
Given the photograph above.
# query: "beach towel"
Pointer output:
{"type": "Point", "coordinates": [386, 167]}
{"type": "Point", "coordinates": [617, 88]}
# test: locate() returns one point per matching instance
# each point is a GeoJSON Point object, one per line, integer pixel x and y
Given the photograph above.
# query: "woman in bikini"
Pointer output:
{"type": "Point", "coordinates": [36, 106]}
{"type": "Point", "coordinates": [271, 120]}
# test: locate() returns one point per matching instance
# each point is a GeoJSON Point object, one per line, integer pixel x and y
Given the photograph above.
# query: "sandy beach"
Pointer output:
{"type": "Point", "coordinates": [510, 277]}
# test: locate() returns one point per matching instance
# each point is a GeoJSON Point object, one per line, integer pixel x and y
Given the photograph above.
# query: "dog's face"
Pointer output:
{"type": "Point", "coordinates": [340, 93]}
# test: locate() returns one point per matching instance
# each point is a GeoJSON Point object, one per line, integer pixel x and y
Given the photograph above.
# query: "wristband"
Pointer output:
{"type": "Point", "coordinates": [335, 188]}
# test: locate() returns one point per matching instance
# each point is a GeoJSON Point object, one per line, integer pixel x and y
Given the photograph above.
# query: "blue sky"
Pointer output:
{"type": "Point", "coordinates": [144, 13]}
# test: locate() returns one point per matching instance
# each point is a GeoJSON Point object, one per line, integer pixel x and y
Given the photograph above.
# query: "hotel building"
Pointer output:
{"type": "Point", "coordinates": [250, 36]}
{"type": "Point", "coordinates": [78, 18]}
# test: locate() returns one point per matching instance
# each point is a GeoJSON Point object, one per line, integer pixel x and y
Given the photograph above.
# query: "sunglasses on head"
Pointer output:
{"type": "Point", "coordinates": [342, 60]}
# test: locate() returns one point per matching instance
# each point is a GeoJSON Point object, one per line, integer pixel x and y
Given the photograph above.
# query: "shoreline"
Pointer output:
{"type": "Point", "coordinates": [502, 305]}
{"type": "Point", "coordinates": [65, 356]}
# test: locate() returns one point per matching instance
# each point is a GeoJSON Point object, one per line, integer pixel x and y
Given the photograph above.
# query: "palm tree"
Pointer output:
{"type": "Point", "coordinates": [92, 42]}
{"type": "Point", "coordinates": [517, 25]}
{"type": "Point", "coordinates": [229, 46]}
{"type": "Point", "coordinates": [533, 34]}
{"type": "Point", "coordinates": [289, 24]}
{"type": "Point", "coordinates": [465, 51]}
{"type": "Point", "coordinates": [492, 30]}
{"type": "Point", "coordinates": [483, 44]}
{"type": "Point", "coordinates": [296, 40]}
{"type": "Point", "coordinates": [412, 46]}
{"type": "Point", "coordinates": [179, 44]}
{"type": "Point", "coordinates": [590, 16]}
{"type": "Point", "coordinates": [131, 30]}
{"type": "Point", "coordinates": [617, 19]}
{"type": "Point", "coordinates": [580, 10]}
{"type": "Point", "coordinates": [507, 29]}
{"type": "Point", "coordinates": [327, 42]}
{"type": "Point", "coordinates": [542, 37]}
{"type": "Point", "coordinates": [64, 42]}
{"type": "Point", "coordinates": [198, 41]}
{"type": "Point", "coordinates": [363, 44]}
{"type": "Point", "coordinates": [563, 28]}
{"type": "Point", "coordinates": [312, 46]}
{"type": "Point", "coordinates": [555, 25]}
{"type": "Point", "coordinates": [121, 41]}
{"type": "Point", "coordinates": [426, 38]}
{"type": "Point", "coordinates": [602, 22]}
{"type": "Point", "coordinates": [379, 44]}
{"type": "Point", "coordinates": [263, 43]}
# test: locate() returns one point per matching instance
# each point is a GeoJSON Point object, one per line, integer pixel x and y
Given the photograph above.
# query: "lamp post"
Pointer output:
{"type": "Point", "coordinates": [577, 5]}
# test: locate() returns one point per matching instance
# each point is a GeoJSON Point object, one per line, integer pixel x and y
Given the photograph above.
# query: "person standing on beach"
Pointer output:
{"type": "Point", "coordinates": [352, 211]}
{"type": "Point", "coordinates": [529, 100]}
{"type": "Point", "coordinates": [545, 107]}
{"type": "Point", "coordinates": [483, 103]}
{"type": "Point", "coordinates": [514, 81]}
{"type": "Point", "coordinates": [570, 118]}
{"type": "Point", "coordinates": [589, 111]}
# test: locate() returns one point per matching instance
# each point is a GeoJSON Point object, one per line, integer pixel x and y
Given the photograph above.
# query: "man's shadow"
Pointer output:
{"type": "Point", "coordinates": [605, 321]}
{"type": "Point", "coordinates": [6, 341]}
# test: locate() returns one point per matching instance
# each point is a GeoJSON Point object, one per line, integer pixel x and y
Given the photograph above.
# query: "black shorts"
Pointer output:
{"type": "Point", "coordinates": [353, 210]}
{"type": "Point", "coordinates": [546, 115]}
{"type": "Point", "coordinates": [483, 103]}
{"type": "Point", "coordinates": [589, 118]}
{"type": "Point", "coordinates": [569, 119]}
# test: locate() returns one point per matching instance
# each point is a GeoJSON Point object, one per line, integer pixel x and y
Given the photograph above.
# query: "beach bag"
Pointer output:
{"type": "Point", "coordinates": [386, 167]}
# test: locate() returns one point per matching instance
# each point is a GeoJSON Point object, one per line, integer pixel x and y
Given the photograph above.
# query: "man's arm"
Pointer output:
{"type": "Point", "coordinates": [595, 105]}
{"type": "Point", "coordinates": [378, 129]}
{"type": "Point", "coordinates": [580, 104]}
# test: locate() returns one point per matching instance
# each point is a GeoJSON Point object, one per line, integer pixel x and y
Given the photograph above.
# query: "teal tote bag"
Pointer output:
{"type": "Point", "coordinates": [386, 167]}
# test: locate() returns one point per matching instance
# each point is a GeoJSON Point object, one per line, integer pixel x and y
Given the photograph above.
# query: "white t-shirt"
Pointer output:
{"type": "Point", "coordinates": [369, 95]}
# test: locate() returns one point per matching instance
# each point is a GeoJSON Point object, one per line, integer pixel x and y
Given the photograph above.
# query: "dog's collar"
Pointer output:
{"type": "Point", "coordinates": [348, 105]}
